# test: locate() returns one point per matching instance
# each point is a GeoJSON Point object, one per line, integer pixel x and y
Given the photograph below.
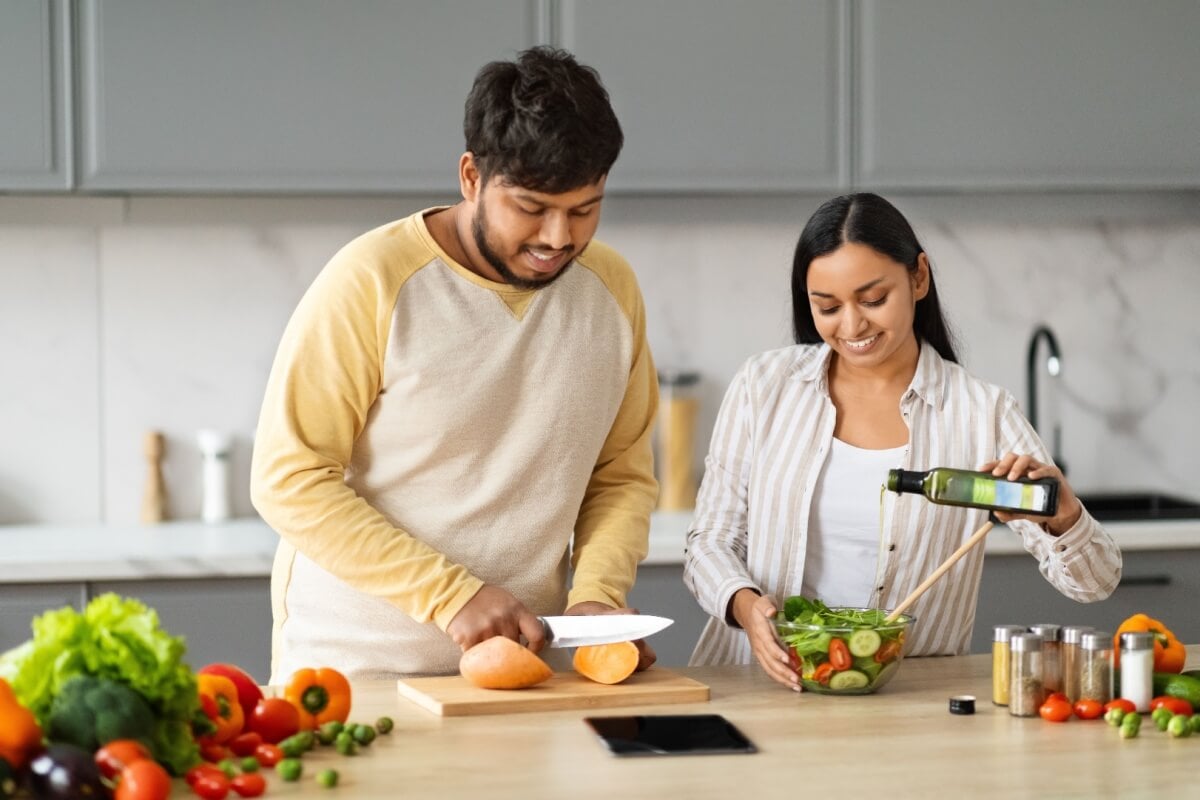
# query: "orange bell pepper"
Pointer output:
{"type": "Point", "coordinates": [20, 735]}
{"type": "Point", "coordinates": [219, 699]}
{"type": "Point", "coordinates": [1169, 652]}
{"type": "Point", "coordinates": [320, 695]}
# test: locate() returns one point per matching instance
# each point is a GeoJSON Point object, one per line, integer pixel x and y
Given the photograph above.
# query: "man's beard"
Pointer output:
{"type": "Point", "coordinates": [479, 229]}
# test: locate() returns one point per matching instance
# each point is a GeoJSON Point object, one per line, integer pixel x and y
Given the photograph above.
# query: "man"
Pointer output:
{"type": "Point", "coordinates": [461, 405]}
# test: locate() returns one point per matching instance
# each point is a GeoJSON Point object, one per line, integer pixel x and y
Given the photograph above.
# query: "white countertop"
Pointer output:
{"type": "Point", "coordinates": [246, 547]}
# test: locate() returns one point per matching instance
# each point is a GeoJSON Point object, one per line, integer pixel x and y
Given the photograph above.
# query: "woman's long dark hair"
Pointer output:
{"type": "Point", "coordinates": [870, 220]}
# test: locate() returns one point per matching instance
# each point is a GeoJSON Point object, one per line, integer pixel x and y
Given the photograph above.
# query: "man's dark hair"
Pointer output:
{"type": "Point", "coordinates": [543, 122]}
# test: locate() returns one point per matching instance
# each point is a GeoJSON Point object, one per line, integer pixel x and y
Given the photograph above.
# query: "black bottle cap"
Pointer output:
{"type": "Point", "coordinates": [962, 704]}
{"type": "Point", "coordinates": [903, 480]}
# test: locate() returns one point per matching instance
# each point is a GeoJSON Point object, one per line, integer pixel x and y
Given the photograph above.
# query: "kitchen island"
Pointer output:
{"type": "Point", "coordinates": [901, 742]}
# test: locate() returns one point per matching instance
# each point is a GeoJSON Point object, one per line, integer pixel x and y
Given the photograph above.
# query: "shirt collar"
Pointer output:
{"type": "Point", "coordinates": [928, 381]}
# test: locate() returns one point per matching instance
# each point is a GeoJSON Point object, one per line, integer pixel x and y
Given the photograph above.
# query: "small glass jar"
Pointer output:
{"type": "Point", "coordinates": [1071, 636]}
{"type": "Point", "coordinates": [1137, 669]}
{"type": "Point", "coordinates": [1026, 692]}
{"type": "Point", "coordinates": [678, 408]}
{"type": "Point", "coordinates": [1096, 667]}
{"type": "Point", "coordinates": [1051, 656]}
{"type": "Point", "coordinates": [1002, 661]}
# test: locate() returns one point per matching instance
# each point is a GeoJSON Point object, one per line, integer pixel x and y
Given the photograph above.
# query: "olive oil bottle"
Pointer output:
{"type": "Point", "coordinates": [960, 487]}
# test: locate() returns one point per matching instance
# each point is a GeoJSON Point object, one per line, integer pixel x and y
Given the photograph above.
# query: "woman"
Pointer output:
{"type": "Point", "coordinates": [791, 498]}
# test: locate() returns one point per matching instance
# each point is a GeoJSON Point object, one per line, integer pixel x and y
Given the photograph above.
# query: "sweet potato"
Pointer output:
{"type": "Point", "coordinates": [607, 663]}
{"type": "Point", "coordinates": [501, 663]}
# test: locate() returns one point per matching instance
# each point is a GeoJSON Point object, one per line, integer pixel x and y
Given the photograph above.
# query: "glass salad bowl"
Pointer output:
{"type": "Point", "coordinates": [841, 650]}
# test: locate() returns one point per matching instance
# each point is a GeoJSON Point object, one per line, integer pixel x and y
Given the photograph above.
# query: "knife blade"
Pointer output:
{"type": "Point", "coordinates": [585, 629]}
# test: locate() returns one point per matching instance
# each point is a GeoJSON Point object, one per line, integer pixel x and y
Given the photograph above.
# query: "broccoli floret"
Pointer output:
{"type": "Point", "coordinates": [90, 712]}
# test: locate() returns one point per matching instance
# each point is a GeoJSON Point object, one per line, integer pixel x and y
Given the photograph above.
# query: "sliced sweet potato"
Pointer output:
{"type": "Point", "coordinates": [501, 663]}
{"type": "Point", "coordinates": [607, 663]}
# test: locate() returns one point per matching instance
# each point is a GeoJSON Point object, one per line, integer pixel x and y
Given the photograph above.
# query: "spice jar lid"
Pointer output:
{"type": "Point", "coordinates": [1137, 641]}
{"type": "Point", "coordinates": [678, 377]}
{"type": "Point", "coordinates": [1002, 633]}
{"type": "Point", "coordinates": [1073, 634]}
{"type": "Point", "coordinates": [1026, 642]}
{"type": "Point", "coordinates": [1048, 632]}
{"type": "Point", "coordinates": [962, 704]}
{"type": "Point", "coordinates": [1098, 640]}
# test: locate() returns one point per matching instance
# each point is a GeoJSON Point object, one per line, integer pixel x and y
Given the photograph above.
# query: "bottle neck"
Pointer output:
{"type": "Point", "coordinates": [903, 480]}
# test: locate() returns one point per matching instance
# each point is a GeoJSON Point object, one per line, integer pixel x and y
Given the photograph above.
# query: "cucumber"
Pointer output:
{"type": "Point", "coordinates": [864, 642]}
{"type": "Point", "coordinates": [848, 679]}
{"type": "Point", "coordinates": [1185, 687]}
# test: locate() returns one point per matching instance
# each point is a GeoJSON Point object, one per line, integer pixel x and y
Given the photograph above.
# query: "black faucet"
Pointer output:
{"type": "Point", "coordinates": [1054, 368]}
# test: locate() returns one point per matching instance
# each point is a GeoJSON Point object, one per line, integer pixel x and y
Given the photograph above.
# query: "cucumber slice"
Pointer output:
{"type": "Point", "coordinates": [864, 642]}
{"type": "Point", "coordinates": [848, 679]}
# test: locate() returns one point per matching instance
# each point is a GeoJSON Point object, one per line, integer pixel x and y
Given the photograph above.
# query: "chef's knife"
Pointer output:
{"type": "Point", "coordinates": [584, 629]}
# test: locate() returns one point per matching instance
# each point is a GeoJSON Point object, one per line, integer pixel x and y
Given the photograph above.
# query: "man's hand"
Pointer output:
{"type": "Point", "coordinates": [646, 654]}
{"type": "Point", "coordinates": [495, 612]}
{"type": "Point", "coordinates": [756, 614]}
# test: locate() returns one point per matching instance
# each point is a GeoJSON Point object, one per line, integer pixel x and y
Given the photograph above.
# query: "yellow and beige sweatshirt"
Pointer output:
{"type": "Point", "coordinates": [426, 431]}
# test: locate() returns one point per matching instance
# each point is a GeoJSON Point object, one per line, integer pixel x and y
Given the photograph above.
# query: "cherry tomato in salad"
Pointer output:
{"type": "Point", "coordinates": [793, 659]}
{"type": "Point", "coordinates": [888, 652]}
{"type": "Point", "coordinates": [143, 780]}
{"type": "Point", "coordinates": [249, 784]}
{"type": "Point", "coordinates": [118, 754]}
{"type": "Point", "coordinates": [1055, 709]}
{"type": "Point", "coordinates": [823, 673]}
{"type": "Point", "coordinates": [839, 655]}
{"type": "Point", "coordinates": [1088, 709]}
{"type": "Point", "coordinates": [1176, 705]}
{"type": "Point", "coordinates": [1125, 705]}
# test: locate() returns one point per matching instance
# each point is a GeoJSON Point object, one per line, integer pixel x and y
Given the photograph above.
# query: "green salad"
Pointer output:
{"type": "Point", "coordinates": [841, 650]}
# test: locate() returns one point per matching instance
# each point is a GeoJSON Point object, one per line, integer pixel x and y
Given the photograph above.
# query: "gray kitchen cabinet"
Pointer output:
{"type": "Point", "coordinates": [659, 590]}
{"type": "Point", "coordinates": [284, 95]}
{"type": "Point", "coordinates": [21, 602]}
{"type": "Point", "coordinates": [35, 95]}
{"type": "Point", "coordinates": [222, 619]}
{"type": "Point", "coordinates": [1027, 94]}
{"type": "Point", "coordinates": [1161, 583]}
{"type": "Point", "coordinates": [718, 96]}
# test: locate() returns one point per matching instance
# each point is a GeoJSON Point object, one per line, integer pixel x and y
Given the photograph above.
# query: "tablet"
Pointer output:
{"type": "Point", "coordinates": [670, 735]}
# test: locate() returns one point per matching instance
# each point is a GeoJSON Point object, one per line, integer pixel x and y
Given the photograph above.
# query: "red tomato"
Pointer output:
{"type": "Point", "coordinates": [211, 751]}
{"type": "Point", "coordinates": [1176, 705]}
{"type": "Point", "coordinates": [1055, 710]}
{"type": "Point", "coordinates": [888, 653]}
{"type": "Point", "coordinates": [249, 784]}
{"type": "Point", "coordinates": [1088, 709]}
{"type": "Point", "coordinates": [1058, 696]}
{"type": "Point", "coordinates": [274, 719]}
{"type": "Point", "coordinates": [839, 655]}
{"type": "Point", "coordinates": [244, 744]}
{"type": "Point", "coordinates": [143, 780]}
{"type": "Point", "coordinates": [211, 787]}
{"type": "Point", "coordinates": [200, 771]}
{"type": "Point", "coordinates": [118, 754]}
{"type": "Point", "coordinates": [793, 659]}
{"type": "Point", "coordinates": [1125, 705]}
{"type": "Point", "coordinates": [823, 673]}
{"type": "Point", "coordinates": [268, 755]}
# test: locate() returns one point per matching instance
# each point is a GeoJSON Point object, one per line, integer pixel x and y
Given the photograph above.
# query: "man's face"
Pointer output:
{"type": "Point", "coordinates": [530, 238]}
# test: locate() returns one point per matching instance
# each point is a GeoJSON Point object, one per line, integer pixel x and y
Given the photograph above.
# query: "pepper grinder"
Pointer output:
{"type": "Point", "coordinates": [215, 450]}
{"type": "Point", "coordinates": [154, 497]}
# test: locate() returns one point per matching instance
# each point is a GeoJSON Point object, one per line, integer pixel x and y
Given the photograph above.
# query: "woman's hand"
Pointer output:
{"type": "Point", "coordinates": [1013, 467]}
{"type": "Point", "coordinates": [756, 614]}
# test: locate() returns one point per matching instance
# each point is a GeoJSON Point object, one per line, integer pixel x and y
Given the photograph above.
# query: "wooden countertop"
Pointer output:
{"type": "Point", "coordinates": [902, 742]}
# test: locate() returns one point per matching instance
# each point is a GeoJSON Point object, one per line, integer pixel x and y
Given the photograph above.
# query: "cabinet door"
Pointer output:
{"type": "Point", "coordinates": [1025, 93]}
{"type": "Point", "coordinates": [715, 95]}
{"type": "Point", "coordinates": [223, 619]}
{"type": "Point", "coordinates": [20, 603]}
{"type": "Point", "coordinates": [1161, 583]}
{"type": "Point", "coordinates": [660, 590]}
{"type": "Point", "coordinates": [284, 95]}
{"type": "Point", "coordinates": [35, 93]}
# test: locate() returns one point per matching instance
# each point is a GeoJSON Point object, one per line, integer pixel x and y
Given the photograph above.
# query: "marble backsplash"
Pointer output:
{"type": "Point", "coordinates": [121, 315]}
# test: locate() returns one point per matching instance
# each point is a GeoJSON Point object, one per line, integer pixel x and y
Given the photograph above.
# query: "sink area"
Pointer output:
{"type": "Point", "coordinates": [1133, 506]}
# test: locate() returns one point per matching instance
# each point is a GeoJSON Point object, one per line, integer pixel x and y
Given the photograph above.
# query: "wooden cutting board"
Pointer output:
{"type": "Point", "coordinates": [453, 696]}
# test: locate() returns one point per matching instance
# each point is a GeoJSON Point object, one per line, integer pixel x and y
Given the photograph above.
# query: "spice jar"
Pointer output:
{"type": "Point", "coordinates": [1001, 661]}
{"type": "Point", "coordinates": [1137, 668]}
{"type": "Point", "coordinates": [1051, 656]}
{"type": "Point", "coordinates": [1026, 692]}
{"type": "Point", "coordinates": [677, 412]}
{"type": "Point", "coordinates": [1071, 636]}
{"type": "Point", "coordinates": [1096, 667]}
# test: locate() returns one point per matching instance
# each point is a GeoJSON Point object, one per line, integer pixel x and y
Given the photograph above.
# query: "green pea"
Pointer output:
{"type": "Point", "coordinates": [328, 731]}
{"type": "Point", "coordinates": [327, 778]}
{"type": "Point", "coordinates": [1129, 731]}
{"type": "Point", "coordinates": [345, 744]}
{"type": "Point", "coordinates": [1161, 720]}
{"type": "Point", "coordinates": [364, 734]}
{"type": "Point", "coordinates": [1179, 726]}
{"type": "Point", "coordinates": [384, 724]}
{"type": "Point", "coordinates": [289, 769]}
{"type": "Point", "coordinates": [226, 766]}
{"type": "Point", "coordinates": [1194, 723]}
{"type": "Point", "coordinates": [1114, 716]}
{"type": "Point", "coordinates": [249, 764]}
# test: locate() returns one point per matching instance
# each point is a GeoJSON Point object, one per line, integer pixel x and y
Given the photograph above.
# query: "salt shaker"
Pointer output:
{"type": "Point", "coordinates": [1051, 656]}
{"type": "Point", "coordinates": [1137, 668]}
{"type": "Point", "coordinates": [1026, 693]}
{"type": "Point", "coordinates": [1095, 667]}
{"type": "Point", "coordinates": [216, 448]}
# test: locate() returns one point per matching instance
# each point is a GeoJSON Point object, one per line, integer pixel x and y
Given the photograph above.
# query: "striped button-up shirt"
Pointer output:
{"type": "Point", "coordinates": [771, 439]}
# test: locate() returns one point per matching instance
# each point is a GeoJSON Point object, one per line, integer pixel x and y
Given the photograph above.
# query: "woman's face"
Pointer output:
{"type": "Point", "coordinates": [863, 303]}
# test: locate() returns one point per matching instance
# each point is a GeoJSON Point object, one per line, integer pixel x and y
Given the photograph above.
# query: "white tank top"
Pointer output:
{"type": "Point", "coordinates": [844, 531]}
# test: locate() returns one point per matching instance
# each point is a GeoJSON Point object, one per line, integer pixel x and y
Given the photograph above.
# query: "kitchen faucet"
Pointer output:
{"type": "Point", "coordinates": [1053, 365]}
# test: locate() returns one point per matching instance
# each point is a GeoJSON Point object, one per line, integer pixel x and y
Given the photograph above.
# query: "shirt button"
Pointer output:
{"type": "Point", "coordinates": [891, 547]}
{"type": "Point", "coordinates": [881, 588]}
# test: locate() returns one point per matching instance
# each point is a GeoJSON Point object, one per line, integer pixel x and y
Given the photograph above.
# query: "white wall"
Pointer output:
{"type": "Point", "coordinates": [119, 315]}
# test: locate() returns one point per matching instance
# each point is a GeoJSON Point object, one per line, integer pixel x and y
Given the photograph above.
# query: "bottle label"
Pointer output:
{"type": "Point", "coordinates": [997, 493]}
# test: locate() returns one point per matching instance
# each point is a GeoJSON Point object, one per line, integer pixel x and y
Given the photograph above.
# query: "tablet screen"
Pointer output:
{"type": "Point", "coordinates": [669, 735]}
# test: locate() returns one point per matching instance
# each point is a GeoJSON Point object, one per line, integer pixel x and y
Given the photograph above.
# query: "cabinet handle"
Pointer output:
{"type": "Point", "coordinates": [1146, 580]}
